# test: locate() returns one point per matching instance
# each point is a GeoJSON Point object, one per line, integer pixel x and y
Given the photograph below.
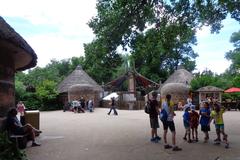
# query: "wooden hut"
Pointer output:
{"type": "Point", "coordinates": [210, 91]}
{"type": "Point", "coordinates": [15, 55]}
{"type": "Point", "coordinates": [177, 85]}
{"type": "Point", "coordinates": [79, 84]}
{"type": "Point", "coordinates": [136, 83]}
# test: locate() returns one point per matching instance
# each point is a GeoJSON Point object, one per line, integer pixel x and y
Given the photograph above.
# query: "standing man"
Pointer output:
{"type": "Point", "coordinates": [153, 116]}
{"type": "Point", "coordinates": [168, 106]}
{"type": "Point", "coordinates": [113, 107]}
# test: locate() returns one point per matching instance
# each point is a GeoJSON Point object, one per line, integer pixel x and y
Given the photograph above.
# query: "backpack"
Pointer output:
{"type": "Point", "coordinates": [147, 107]}
{"type": "Point", "coordinates": [163, 115]}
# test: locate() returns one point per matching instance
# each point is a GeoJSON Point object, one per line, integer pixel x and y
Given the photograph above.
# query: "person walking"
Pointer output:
{"type": "Point", "coordinates": [168, 106]}
{"type": "Point", "coordinates": [153, 116]}
{"type": "Point", "coordinates": [113, 107]}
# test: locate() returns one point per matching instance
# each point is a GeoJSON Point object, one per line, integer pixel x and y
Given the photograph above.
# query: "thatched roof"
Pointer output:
{"type": "Point", "coordinates": [77, 78]}
{"type": "Point", "coordinates": [210, 89]}
{"type": "Point", "coordinates": [175, 88]}
{"type": "Point", "coordinates": [13, 44]}
{"type": "Point", "coordinates": [180, 76]}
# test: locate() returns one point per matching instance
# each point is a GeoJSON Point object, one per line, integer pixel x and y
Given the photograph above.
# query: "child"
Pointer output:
{"type": "Point", "coordinates": [194, 121]}
{"type": "Point", "coordinates": [186, 122]}
{"type": "Point", "coordinates": [204, 120]}
{"type": "Point", "coordinates": [217, 115]}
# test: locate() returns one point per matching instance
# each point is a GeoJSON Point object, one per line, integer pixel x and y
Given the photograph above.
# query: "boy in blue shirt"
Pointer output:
{"type": "Point", "coordinates": [204, 120]}
{"type": "Point", "coordinates": [186, 123]}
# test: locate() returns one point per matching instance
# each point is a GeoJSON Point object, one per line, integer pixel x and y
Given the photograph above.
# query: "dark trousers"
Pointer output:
{"type": "Point", "coordinates": [114, 110]}
{"type": "Point", "coordinates": [22, 120]}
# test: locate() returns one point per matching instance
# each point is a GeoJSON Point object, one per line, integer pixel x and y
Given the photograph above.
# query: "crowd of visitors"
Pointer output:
{"type": "Point", "coordinates": [191, 119]}
{"type": "Point", "coordinates": [79, 106]}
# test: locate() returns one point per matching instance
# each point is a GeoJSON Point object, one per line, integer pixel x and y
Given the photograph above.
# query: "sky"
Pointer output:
{"type": "Point", "coordinates": [58, 29]}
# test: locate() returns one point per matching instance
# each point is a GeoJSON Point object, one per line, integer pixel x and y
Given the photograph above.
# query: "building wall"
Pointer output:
{"type": "Point", "coordinates": [7, 88]}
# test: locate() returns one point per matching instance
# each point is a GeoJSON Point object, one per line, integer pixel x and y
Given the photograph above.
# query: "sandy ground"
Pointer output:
{"type": "Point", "coordinates": [97, 136]}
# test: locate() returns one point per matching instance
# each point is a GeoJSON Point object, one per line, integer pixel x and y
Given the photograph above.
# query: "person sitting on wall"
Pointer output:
{"type": "Point", "coordinates": [15, 127]}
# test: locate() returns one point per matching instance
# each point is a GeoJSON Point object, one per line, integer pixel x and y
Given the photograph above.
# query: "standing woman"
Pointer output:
{"type": "Point", "coordinates": [21, 109]}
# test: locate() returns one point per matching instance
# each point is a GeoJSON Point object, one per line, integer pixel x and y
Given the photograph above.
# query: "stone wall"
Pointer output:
{"type": "Point", "coordinates": [7, 88]}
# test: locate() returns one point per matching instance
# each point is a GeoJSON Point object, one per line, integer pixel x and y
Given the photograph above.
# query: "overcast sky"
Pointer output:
{"type": "Point", "coordinates": [58, 29]}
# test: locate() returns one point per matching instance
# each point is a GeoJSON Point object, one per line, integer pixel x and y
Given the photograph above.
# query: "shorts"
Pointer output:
{"type": "Point", "coordinates": [219, 127]}
{"type": "Point", "coordinates": [186, 125]}
{"type": "Point", "coordinates": [169, 124]}
{"type": "Point", "coordinates": [154, 123]}
{"type": "Point", "coordinates": [205, 128]}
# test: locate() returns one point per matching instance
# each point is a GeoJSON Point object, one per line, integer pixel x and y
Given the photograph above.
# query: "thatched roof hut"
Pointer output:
{"type": "Point", "coordinates": [15, 55]}
{"type": "Point", "coordinates": [79, 84]}
{"type": "Point", "coordinates": [178, 85]}
{"type": "Point", "coordinates": [13, 44]}
{"type": "Point", "coordinates": [210, 91]}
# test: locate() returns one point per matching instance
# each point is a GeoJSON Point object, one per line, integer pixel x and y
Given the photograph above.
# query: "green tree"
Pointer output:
{"type": "Point", "coordinates": [153, 29]}
{"type": "Point", "coordinates": [207, 78]}
{"type": "Point", "coordinates": [47, 93]}
{"type": "Point", "coordinates": [20, 90]}
{"type": "Point", "coordinates": [234, 55]}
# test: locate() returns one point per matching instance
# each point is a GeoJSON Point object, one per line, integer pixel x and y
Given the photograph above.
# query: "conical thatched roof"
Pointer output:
{"type": "Point", "coordinates": [77, 78]}
{"type": "Point", "coordinates": [12, 43]}
{"type": "Point", "coordinates": [178, 85]}
{"type": "Point", "coordinates": [180, 76]}
{"type": "Point", "coordinates": [210, 89]}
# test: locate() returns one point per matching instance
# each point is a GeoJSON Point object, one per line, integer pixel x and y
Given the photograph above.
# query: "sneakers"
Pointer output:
{"type": "Point", "coordinates": [158, 138]}
{"type": "Point", "coordinates": [167, 146]}
{"type": "Point", "coordinates": [217, 140]}
{"type": "Point", "coordinates": [34, 144]}
{"type": "Point", "coordinates": [176, 148]}
{"type": "Point", "coordinates": [184, 138]}
{"type": "Point", "coordinates": [154, 140]}
{"type": "Point", "coordinates": [189, 141]}
{"type": "Point", "coordinates": [227, 146]}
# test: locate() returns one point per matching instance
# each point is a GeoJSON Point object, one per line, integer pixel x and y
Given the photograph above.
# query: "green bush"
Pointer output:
{"type": "Point", "coordinates": [9, 150]}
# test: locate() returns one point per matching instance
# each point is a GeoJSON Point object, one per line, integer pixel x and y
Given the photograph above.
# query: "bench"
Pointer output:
{"type": "Point", "coordinates": [20, 140]}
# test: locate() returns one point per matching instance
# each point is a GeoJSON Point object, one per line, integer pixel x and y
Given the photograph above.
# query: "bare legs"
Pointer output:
{"type": "Point", "coordinates": [29, 129]}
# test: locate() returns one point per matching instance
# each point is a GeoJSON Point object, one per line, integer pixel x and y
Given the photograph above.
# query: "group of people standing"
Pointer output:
{"type": "Point", "coordinates": [191, 121]}
{"type": "Point", "coordinates": [79, 106]}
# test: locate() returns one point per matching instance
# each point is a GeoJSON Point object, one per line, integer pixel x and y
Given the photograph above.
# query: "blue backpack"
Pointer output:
{"type": "Point", "coordinates": [163, 115]}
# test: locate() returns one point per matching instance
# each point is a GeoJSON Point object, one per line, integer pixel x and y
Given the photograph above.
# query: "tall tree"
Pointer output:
{"type": "Point", "coordinates": [234, 55]}
{"type": "Point", "coordinates": [156, 29]}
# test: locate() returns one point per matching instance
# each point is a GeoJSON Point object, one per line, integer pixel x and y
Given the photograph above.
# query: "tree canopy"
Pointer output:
{"type": "Point", "coordinates": [234, 55]}
{"type": "Point", "coordinates": [158, 34]}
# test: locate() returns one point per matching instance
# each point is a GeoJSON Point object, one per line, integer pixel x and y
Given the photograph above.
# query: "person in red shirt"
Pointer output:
{"type": "Point", "coordinates": [194, 122]}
